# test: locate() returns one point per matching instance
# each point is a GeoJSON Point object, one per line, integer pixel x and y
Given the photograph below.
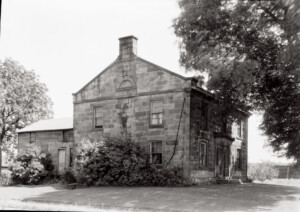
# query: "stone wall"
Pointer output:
{"type": "Point", "coordinates": [201, 133]}
{"type": "Point", "coordinates": [49, 141]}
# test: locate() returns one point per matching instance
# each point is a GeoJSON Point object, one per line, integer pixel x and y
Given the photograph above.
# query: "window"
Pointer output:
{"type": "Point", "coordinates": [71, 156]}
{"type": "Point", "coordinates": [156, 116]}
{"type": "Point", "coordinates": [156, 152]}
{"type": "Point", "coordinates": [242, 128]}
{"type": "Point", "coordinates": [204, 117]}
{"type": "Point", "coordinates": [66, 136]}
{"type": "Point", "coordinates": [203, 154]}
{"type": "Point", "coordinates": [126, 84]}
{"type": "Point", "coordinates": [32, 137]}
{"type": "Point", "coordinates": [239, 159]}
{"type": "Point", "coordinates": [98, 117]}
{"type": "Point", "coordinates": [239, 130]}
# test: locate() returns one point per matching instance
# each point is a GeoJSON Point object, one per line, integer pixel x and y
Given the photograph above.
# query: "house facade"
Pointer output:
{"type": "Point", "coordinates": [169, 115]}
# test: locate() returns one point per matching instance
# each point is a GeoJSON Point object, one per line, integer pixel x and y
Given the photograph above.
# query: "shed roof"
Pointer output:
{"type": "Point", "coordinates": [49, 125]}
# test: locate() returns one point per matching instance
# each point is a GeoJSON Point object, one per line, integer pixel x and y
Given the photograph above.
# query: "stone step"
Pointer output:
{"type": "Point", "coordinates": [229, 181]}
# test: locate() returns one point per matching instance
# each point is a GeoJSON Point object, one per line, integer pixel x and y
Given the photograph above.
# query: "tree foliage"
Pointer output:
{"type": "Point", "coordinates": [251, 52]}
{"type": "Point", "coordinates": [23, 100]}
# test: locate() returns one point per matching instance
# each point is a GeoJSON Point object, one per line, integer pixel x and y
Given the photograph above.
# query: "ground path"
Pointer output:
{"type": "Point", "coordinates": [245, 197]}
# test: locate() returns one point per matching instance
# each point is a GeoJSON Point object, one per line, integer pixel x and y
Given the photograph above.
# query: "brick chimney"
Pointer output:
{"type": "Point", "coordinates": [128, 47]}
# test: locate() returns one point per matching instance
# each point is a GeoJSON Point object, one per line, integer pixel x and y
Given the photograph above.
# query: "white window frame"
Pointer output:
{"type": "Point", "coordinates": [156, 113]}
{"type": "Point", "coordinates": [100, 116]}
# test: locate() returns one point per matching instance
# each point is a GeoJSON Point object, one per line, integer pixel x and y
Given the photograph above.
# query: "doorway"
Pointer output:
{"type": "Point", "coordinates": [61, 160]}
{"type": "Point", "coordinates": [222, 161]}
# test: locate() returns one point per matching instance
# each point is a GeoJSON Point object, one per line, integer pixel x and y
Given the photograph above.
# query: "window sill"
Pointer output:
{"type": "Point", "coordinates": [156, 126]}
{"type": "Point", "coordinates": [203, 168]}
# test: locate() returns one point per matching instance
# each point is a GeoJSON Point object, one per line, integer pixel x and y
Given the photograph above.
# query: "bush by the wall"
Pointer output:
{"type": "Point", "coordinates": [68, 177]}
{"type": "Point", "coordinates": [5, 178]}
{"type": "Point", "coordinates": [262, 171]}
{"type": "Point", "coordinates": [121, 162]}
{"type": "Point", "coordinates": [31, 166]}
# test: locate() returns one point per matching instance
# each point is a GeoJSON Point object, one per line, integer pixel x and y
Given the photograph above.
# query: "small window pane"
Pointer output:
{"type": "Point", "coordinates": [156, 152]}
{"type": "Point", "coordinates": [98, 117]}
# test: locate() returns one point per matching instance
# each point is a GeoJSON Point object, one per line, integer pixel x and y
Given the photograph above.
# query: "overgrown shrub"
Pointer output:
{"type": "Point", "coordinates": [262, 171]}
{"type": "Point", "coordinates": [31, 166]}
{"type": "Point", "coordinates": [121, 162]}
{"type": "Point", "coordinates": [68, 177]}
{"type": "Point", "coordinates": [5, 178]}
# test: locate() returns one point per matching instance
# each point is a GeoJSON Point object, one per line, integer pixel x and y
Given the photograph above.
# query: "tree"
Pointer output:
{"type": "Point", "coordinates": [250, 50]}
{"type": "Point", "coordinates": [23, 100]}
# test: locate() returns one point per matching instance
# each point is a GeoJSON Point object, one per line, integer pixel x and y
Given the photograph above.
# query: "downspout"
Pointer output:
{"type": "Point", "coordinates": [175, 145]}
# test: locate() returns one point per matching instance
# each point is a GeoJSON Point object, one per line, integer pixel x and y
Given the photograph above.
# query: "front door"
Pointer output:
{"type": "Point", "coordinates": [61, 160]}
{"type": "Point", "coordinates": [222, 163]}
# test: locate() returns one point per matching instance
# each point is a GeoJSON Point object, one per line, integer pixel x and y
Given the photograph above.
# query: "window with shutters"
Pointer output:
{"type": "Point", "coordinates": [98, 117]}
{"type": "Point", "coordinates": [156, 152]}
{"type": "Point", "coordinates": [156, 114]}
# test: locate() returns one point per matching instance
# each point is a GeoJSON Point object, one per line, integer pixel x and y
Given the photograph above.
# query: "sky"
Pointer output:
{"type": "Point", "coordinates": [68, 42]}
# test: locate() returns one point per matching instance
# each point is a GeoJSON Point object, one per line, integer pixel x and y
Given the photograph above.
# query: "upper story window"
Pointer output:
{"type": "Point", "coordinates": [238, 128]}
{"type": "Point", "coordinates": [224, 126]}
{"type": "Point", "coordinates": [204, 116]}
{"type": "Point", "coordinates": [32, 137]}
{"type": "Point", "coordinates": [203, 154]}
{"type": "Point", "coordinates": [98, 117]}
{"type": "Point", "coordinates": [66, 136]}
{"type": "Point", "coordinates": [156, 152]}
{"type": "Point", "coordinates": [156, 113]}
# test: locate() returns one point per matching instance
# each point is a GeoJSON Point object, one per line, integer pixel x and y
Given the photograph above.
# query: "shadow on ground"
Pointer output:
{"type": "Point", "coordinates": [246, 197]}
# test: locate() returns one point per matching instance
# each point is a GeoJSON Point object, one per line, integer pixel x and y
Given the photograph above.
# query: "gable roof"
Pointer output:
{"type": "Point", "coordinates": [135, 58]}
{"type": "Point", "coordinates": [49, 125]}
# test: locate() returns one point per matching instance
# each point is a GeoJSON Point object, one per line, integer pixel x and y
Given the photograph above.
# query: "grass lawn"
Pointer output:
{"type": "Point", "coordinates": [245, 197]}
{"type": "Point", "coordinates": [36, 206]}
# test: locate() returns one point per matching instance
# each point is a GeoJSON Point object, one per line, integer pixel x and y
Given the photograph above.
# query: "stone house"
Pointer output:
{"type": "Point", "coordinates": [54, 136]}
{"type": "Point", "coordinates": [168, 114]}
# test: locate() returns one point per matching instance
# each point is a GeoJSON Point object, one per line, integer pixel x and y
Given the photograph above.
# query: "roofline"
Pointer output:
{"type": "Point", "coordinates": [129, 36]}
{"type": "Point", "coordinates": [203, 91]}
{"type": "Point", "coordinates": [170, 72]}
{"type": "Point", "coordinates": [135, 58]}
{"type": "Point", "coordinates": [30, 131]}
{"type": "Point", "coordinates": [103, 71]}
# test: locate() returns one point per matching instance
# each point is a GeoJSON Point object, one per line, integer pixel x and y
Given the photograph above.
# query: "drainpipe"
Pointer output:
{"type": "Point", "coordinates": [175, 145]}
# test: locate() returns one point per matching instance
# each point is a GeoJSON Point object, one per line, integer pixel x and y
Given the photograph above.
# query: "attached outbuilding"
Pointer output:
{"type": "Point", "coordinates": [54, 136]}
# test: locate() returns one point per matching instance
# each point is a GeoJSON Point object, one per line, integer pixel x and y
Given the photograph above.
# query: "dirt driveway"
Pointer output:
{"type": "Point", "coordinates": [246, 197]}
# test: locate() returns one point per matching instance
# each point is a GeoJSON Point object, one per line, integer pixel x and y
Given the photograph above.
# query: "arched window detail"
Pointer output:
{"type": "Point", "coordinates": [126, 84]}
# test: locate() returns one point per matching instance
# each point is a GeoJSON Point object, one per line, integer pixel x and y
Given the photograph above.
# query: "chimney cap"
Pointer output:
{"type": "Point", "coordinates": [126, 37]}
